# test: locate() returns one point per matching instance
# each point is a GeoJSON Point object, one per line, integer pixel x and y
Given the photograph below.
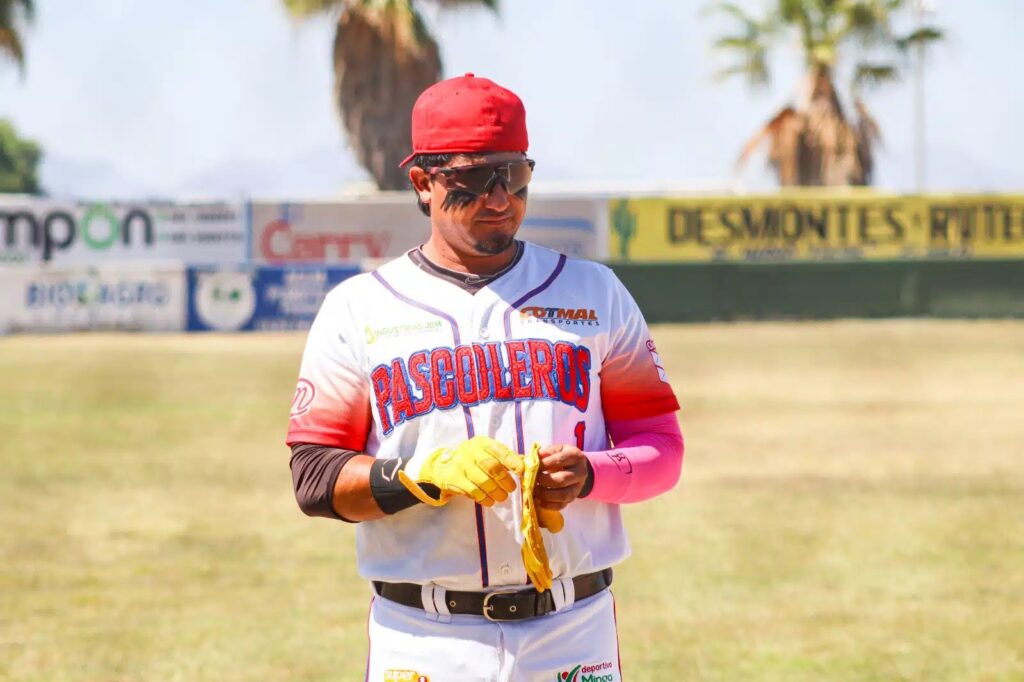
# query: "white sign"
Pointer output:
{"type": "Point", "coordinates": [570, 226]}
{"type": "Point", "coordinates": [224, 300]}
{"type": "Point", "coordinates": [45, 231]}
{"type": "Point", "coordinates": [147, 297]}
{"type": "Point", "coordinates": [330, 232]}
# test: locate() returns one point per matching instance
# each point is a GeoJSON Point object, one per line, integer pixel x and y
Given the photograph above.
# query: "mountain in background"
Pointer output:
{"type": "Point", "coordinates": [332, 172]}
{"type": "Point", "coordinates": [63, 177]}
{"type": "Point", "coordinates": [318, 173]}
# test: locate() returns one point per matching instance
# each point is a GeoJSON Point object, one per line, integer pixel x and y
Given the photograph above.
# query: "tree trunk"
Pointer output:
{"type": "Point", "coordinates": [827, 146]}
{"type": "Point", "coordinates": [813, 144]}
{"type": "Point", "coordinates": [376, 83]}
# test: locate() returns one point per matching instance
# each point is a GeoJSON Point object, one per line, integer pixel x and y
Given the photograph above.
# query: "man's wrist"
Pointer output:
{"type": "Point", "coordinates": [387, 490]}
{"type": "Point", "coordinates": [588, 485]}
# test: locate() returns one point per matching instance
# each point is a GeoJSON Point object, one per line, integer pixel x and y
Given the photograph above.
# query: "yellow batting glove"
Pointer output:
{"type": "Point", "coordinates": [550, 519]}
{"type": "Point", "coordinates": [535, 557]}
{"type": "Point", "coordinates": [479, 469]}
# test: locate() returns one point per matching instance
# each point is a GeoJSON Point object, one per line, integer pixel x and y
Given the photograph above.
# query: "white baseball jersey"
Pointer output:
{"type": "Point", "coordinates": [400, 361]}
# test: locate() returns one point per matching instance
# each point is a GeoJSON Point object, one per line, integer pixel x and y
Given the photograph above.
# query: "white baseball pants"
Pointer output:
{"type": "Point", "coordinates": [577, 643]}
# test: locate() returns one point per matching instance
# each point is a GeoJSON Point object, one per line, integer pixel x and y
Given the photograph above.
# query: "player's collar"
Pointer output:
{"type": "Point", "coordinates": [466, 281]}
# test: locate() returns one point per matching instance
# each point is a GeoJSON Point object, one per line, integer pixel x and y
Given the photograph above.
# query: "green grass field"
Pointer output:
{"type": "Point", "coordinates": [851, 508]}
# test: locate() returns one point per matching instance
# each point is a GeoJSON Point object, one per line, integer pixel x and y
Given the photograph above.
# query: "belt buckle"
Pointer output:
{"type": "Point", "coordinates": [488, 607]}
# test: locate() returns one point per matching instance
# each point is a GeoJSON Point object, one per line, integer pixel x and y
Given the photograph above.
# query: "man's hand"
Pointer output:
{"type": "Point", "coordinates": [480, 469]}
{"type": "Point", "coordinates": [563, 471]}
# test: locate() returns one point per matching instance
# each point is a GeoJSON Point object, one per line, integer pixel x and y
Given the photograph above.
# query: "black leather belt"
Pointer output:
{"type": "Point", "coordinates": [502, 604]}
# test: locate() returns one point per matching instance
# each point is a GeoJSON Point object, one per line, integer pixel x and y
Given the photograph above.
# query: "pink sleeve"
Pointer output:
{"type": "Point", "coordinates": [645, 462]}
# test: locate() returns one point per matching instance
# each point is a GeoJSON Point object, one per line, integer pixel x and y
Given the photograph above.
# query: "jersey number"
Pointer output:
{"type": "Point", "coordinates": [581, 428]}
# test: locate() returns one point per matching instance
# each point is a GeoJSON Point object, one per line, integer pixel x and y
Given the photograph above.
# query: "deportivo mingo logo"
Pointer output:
{"type": "Point", "coordinates": [598, 672]}
{"type": "Point", "coordinates": [569, 675]}
{"type": "Point", "coordinates": [562, 316]}
{"type": "Point", "coordinates": [470, 374]}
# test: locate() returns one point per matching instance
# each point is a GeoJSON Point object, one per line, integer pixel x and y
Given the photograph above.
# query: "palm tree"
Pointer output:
{"type": "Point", "coordinates": [813, 141]}
{"type": "Point", "coordinates": [10, 38]}
{"type": "Point", "coordinates": [384, 57]}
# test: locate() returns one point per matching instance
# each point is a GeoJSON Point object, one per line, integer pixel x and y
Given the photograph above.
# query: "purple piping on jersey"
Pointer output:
{"type": "Point", "coordinates": [519, 430]}
{"type": "Point", "coordinates": [421, 306]}
{"type": "Point", "coordinates": [433, 311]}
{"type": "Point", "coordinates": [369, 642]}
{"type": "Point", "coordinates": [615, 621]}
{"type": "Point", "coordinates": [481, 537]}
{"type": "Point", "coordinates": [508, 333]}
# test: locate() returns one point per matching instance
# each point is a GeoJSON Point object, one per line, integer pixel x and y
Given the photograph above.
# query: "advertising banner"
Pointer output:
{"type": "Point", "coordinates": [806, 227]}
{"type": "Point", "coordinates": [386, 227]}
{"type": "Point", "coordinates": [44, 231]}
{"type": "Point", "coordinates": [259, 299]}
{"type": "Point", "coordinates": [144, 296]}
{"type": "Point", "coordinates": [575, 227]}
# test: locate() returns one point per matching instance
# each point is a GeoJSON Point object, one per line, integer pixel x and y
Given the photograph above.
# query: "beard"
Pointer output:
{"type": "Point", "coordinates": [494, 245]}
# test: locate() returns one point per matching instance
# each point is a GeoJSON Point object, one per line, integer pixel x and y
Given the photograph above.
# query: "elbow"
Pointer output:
{"type": "Point", "coordinates": [304, 484]}
{"type": "Point", "coordinates": [306, 506]}
{"type": "Point", "coordinates": [671, 464]}
{"type": "Point", "coordinates": [663, 474]}
{"type": "Point", "coordinates": [671, 448]}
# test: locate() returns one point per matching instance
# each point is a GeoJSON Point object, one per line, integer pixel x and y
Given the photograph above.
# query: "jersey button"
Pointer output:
{"type": "Point", "coordinates": [484, 333]}
{"type": "Point", "coordinates": [506, 571]}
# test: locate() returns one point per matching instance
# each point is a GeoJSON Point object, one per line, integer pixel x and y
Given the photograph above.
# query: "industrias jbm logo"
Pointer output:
{"type": "Point", "coordinates": [49, 232]}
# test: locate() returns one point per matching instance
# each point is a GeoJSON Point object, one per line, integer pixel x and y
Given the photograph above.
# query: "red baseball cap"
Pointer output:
{"type": "Point", "coordinates": [467, 114]}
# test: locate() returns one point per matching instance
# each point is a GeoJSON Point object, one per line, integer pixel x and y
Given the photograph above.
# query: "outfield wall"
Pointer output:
{"type": "Point", "coordinates": [810, 254]}
{"type": "Point", "coordinates": [692, 292]}
{"type": "Point", "coordinates": [264, 265]}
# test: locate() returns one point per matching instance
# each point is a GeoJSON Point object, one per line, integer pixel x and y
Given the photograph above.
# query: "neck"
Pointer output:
{"type": "Point", "coordinates": [441, 253]}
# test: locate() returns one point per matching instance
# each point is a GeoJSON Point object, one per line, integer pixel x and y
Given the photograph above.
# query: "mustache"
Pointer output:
{"type": "Point", "coordinates": [495, 215]}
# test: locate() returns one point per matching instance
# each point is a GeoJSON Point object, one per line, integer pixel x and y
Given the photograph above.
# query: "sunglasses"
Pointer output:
{"type": "Point", "coordinates": [481, 178]}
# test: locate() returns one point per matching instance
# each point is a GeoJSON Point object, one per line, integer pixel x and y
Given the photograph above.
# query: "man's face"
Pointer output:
{"type": "Point", "coordinates": [483, 225]}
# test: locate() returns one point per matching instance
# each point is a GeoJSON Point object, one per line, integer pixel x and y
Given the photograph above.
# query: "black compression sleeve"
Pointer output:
{"type": "Point", "coordinates": [315, 470]}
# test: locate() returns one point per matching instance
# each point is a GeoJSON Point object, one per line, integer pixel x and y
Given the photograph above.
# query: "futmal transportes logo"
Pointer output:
{"type": "Point", "coordinates": [559, 315]}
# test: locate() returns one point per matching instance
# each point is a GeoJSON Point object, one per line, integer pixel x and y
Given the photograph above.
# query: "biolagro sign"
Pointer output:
{"type": "Point", "coordinates": [145, 297]}
{"type": "Point", "coordinates": [44, 231]}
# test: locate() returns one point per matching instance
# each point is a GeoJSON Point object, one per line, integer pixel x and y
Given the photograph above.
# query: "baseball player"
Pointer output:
{"type": "Point", "coordinates": [481, 407]}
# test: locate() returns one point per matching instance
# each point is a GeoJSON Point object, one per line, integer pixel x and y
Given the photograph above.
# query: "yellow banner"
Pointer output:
{"type": "Point", "coordinates": [807, 227]}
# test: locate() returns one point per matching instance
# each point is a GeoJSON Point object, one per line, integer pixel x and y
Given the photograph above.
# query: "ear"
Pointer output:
{"type": "Point", "coordinates": [421, 183]}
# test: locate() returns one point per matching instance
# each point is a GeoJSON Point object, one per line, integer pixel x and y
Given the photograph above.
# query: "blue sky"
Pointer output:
{"type": "Point", "coordinates": [135, 98]}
